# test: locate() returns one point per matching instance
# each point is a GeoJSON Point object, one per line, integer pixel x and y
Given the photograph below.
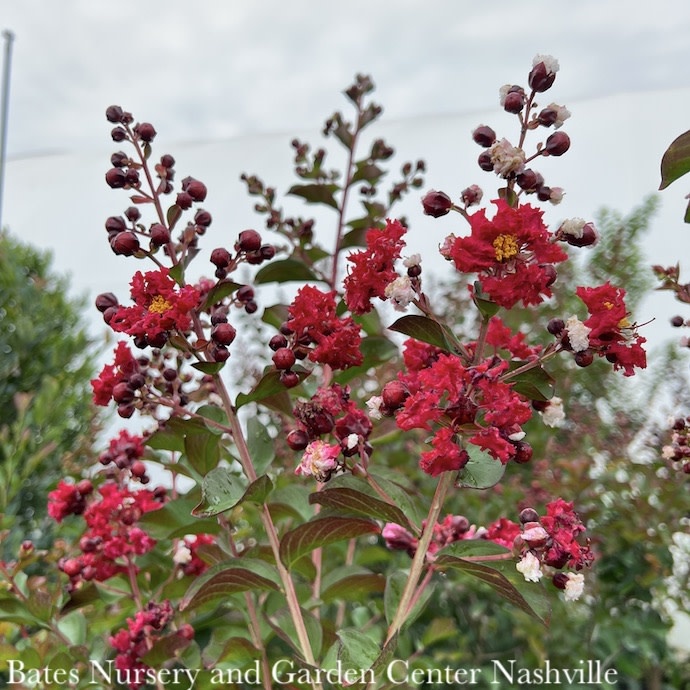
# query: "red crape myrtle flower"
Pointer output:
{"type": "Point", "coordinates": [612, 335]}
{"type": "Point", "coordinates": [372, 268]}
{"type": "Point", "coordinates": [159, 308]}
{"type": "Point", "coordinates": [512, 253]}
{"type": "Point", "coordinates": [313, 316]}
{"type": "Point", "coordinates": [471, 401]}
{"type": "Point", "coordinates": [122, 370]}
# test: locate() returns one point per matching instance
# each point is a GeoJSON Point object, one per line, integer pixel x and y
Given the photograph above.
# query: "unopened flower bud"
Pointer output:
{"type": "Point", "coordinates": [588, 237]}
{"type": "Point", "coordinates": [528, 515]}
{"type": "Point", "coordinates": [436, 204]}
{"type": "Point", "coordinates": [160, 235]}
{"type": "Point", "coordinates": [116, 178]}
{"type": "Point", "coordinates": [118, 134]}
{"type": "Point", "coordinates": [529, 180]}
{"type": "Point", "coordinates": [555, 326]}
{"type": "Point", "coordinates": [284, 358]}
{"type": "Point", "coordinates": [297, 439]}
{"type": "Point", "coordinates": [484, 136]}
{"type": "Point", "coordinates": [543, 73]}
{"type": "Point", "coordinates": [167, 161]}
{"type": "Point", "coordinates": [203, 218]}
{"type": "Point", "coordinates": [677, 321]}
{"type": "Point", "coordinates": [125, 244]}
{"type": "Point", "coordinates": [223, 334]}
{"type": "Point", "coordinates": [289, 379]}
{"type": "Point", "coordinates": [114, 114]}
{"type": "Point", "coordinates": [248, 241]}
{"type": "Point", "coordinates": [471, 195]}
{"type": "Point", "coordinates": [220, 257]}
{"type": "Point", "coordinates": [557, 144]}
{"type": "Point", "coordinates": [106, 300]}
{"type": "Point", "coordinates": [196, 189]}
{"type": "Point", "coordinates": [145, 131]}
{"type": "Point", "coordinates": [512, 98]}
{"type": "Point", "coordinates": [584, 358]}
{"type": "Point", "coordinates": [485, 162]}
{"type": "Point", "coordinates": [394, 394]}
{"type": "Point", "coordinates": [184, 200]}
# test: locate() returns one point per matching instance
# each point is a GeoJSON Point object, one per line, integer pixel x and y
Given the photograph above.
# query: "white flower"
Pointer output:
{"type": "Point", "coordinates": [400, 292]}
{"type": "Point", "coordinates": [668, 452]}
{"type": "Point", "coordinates": [578, 334]}
{"type": "Point", "coordinates": [573, 227]}
{"type": "Point", "coordinates": [530, 567]}
{"type": "Point", "coordinates": [517, 436]}
{"type": "Point", "coordinates": [574, 586]}
{"type": "Point", "coordinates": [553, 415]}
{"type": "Point", "coordinates": [556, 195]}
{"type": "Point", "coordinates": [562, 114]}
{"type": "Point", "coordinates": [411, 261]}
{"type": "Point", "coordinates": [503, 92]}
{"type": "Point", "coordinates": [549, 61]}
{"type": "Point", "coordinates": [374, 404]}
{"type": "Point", "coordinates": [182, 554]}
{"type": "Point", "coordinates": [506, 158]}
{"type": "Point", "coordinates": [536, 534]}
{"type": "Point", "coordinates": [351, 441]}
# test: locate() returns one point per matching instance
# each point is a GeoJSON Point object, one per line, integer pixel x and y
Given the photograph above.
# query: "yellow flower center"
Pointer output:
{"type": "Point", "coordinates": [624, 323]}
{"type": "Point", "coordinates": [608, 305]}
{"type": "Point", "coordinates": [505, 247]}
{"type": "Point", "coordinates": [159, 305]}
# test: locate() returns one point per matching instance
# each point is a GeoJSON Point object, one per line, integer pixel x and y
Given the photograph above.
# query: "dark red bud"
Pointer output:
{"type": "Point", "coordinates": [106, 300]}
{"type": "Point", "coordinates": [84, 487]}
{"type": "Point", "coordinates": [529, 180]}
{"type": "Point", "coordinates": [557, 144]}
{"type": "Point", "coordinates": [220, 353]}
{"type": "Point", "coordinates": [436, 204]}
{"type": "Point", "coordinates": [484, 136]}
{"type": "Point", "coordinates": [118, 134]}
{"type": "Point", "coordinates": [560, 580]}
{"type": "Point", "coordinates": [539, 78]}
{"type": "Point", "coordinates": [122, 393]}
{"type": "Point", "coordinates": [245, 293]}
{"type": "Point", "coordinates": [268, 251]}
{"type": "Point", "coordinates": [132, 214]}
{"type": "Point", "coordinates": [220, 257]}
{"type": "Point", "coordinates": [289, 379]}
{"type": "Point", "coordinates": [114, 114]}
{"type": "Point", "coordinates": [514, 101]}
{"type": "Point", "coordinates": [196, 189]}
{"type": "Point", "coordinates": [132, 177]}
{"type": "Point", "coordinates": [584, 358]}
{"type": "Point", "coordinates": [485, 162]}
{"type": "Point", "coordinates": [277, 341]}
{"type": "Point", "coordinates": [523, 452]}
{"type": "Point", "coordinates": [297, 439]}
{"type": "Point", "coordinates": [167, 161]}
{"type": "Point", "coordinates": [119, 159]}
{"type": "Point", "coordinates": [547, 117]}
{"type": "Point", "coordinates": [677, 321]}
{"type": "Point", "coordinates": [284, 358]}
{"type": "Point", "coordinates": [555, 326]}
{"type": "Point", "coordinates": [145, 131]}
{"type": "Point", "coordinates": [223, 334]}
{"type": "Point", "coordinates": [125, 243]}
{"type": "Point", "coordinates": [116, 178]}
{"type": "Point", "coordinates": [394, 394]}
{"type": "Point", "coordinates": [248, 241]}
{"type": "Point", "coordinates": [203, 218]}
{"type": "Point", "coordinates": [588, 238]}
{"type": "Point", "coordinates": [528, 515]}
{"type": "Point", "coordinates": [138, 469]}
{"type": "Point", "coordinates": [160, 235]}
{"type": "Point", "coordinates": [71, 567]}
{"type": "Point", "coordinates": [184, 200]}
{"type": "Point", "coordinates": [115, 224]}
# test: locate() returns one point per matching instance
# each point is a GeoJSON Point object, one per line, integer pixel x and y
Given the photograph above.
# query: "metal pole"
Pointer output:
{"type": "Point", "coordinates": [4, 108]}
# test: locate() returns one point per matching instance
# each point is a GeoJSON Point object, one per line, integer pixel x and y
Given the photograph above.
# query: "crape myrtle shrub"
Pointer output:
{"type": "Point", "coordinates": [320, 514]}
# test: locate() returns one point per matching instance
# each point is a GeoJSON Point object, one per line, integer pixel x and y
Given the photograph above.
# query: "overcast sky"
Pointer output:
{"type": "Point", "coordinates": [227, 84]}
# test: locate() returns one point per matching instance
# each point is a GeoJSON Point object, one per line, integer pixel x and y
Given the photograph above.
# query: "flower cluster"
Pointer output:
{"type": "Point", "coordinates": [68, 499]}
{"type": "Point", "coordinates": [329, 411]}
{"type": "Point", "coordinates": [461, 400]}
{"type": "Point", "coordinates": [125, 452]}
{"type": "Point", "coordinates": [453, 528]}
{"type": "Point", "coordinates": [186, 553]}
{"type": "Point", "coordinates": [373, 269]}
{"type": "Point", "coordinates": [133, 642]}
{"type": "Point", "coordinates": [607, 332]}
{"type": "Point", "coordinates": [678, 450]}
{"type": "Point", "coordinates": [314, 321]}
{"type": "Point", "coordinates": [111, 534]}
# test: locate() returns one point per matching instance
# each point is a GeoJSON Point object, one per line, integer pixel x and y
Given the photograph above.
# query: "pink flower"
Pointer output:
{"type": "Point", "coordinates": [320, 460]}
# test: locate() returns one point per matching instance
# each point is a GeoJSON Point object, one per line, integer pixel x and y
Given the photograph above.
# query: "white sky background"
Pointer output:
{"type": "Point", "coordinates": [228, 84]}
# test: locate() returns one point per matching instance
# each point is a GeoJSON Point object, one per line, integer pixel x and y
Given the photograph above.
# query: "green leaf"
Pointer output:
{"type": "Point", "coordinates": [202, 449]}
{"type": "Point", "coordinates": [208, 367]}
{"type": "Point", "coordinates": [275, 315]}
{"type": "Point", "coordinates": [357, 586]}
{"type": "Point", "coordinates": [176, 272]}
{"type": "Point", "coordinates": [221, 490]}
{"type": "Point", "coordinates": [284, 271]}
{"type": "Point", "coordinates": [425, 329]}
{"type": "Point", "coordinates": [14, 611]}
{"type": "Point", "coordinates": [267, 387]}
{"type": "Point", "coordinates": [260, 444]}
{"type": "Point", "coordinates": [219, 291]}
{"type": "Point", "coordinates": [229, 577]}
{"type": "Point", "coordinates": [535, 384]}
{"type": "Point", "coordinates": [472, 548]}
{"type": "Point", "coordinates": [481, 471]}
{"type": "Point", "coordinates": [391, 598]}
{"type": "Point", "coordinates": [510, 197]}
{"type": "Point", "coordinates": [356, 502]}
{"type": "Point", "coordinates": [321, 532]}
{"type": "Point", "coordinates": [676, 160]}
{"type": "Point", "coordinates": [166, 648]}
{"type": "Point", "coordinates": [283, 625]}
{"type": "Point", "coordinates": [503, 578]}
{"type": "Point", "coordinates": [258, 491]}
{"type": "Point", "coordinates": [370, 172]}
{"type": "Point", "coordinates": [486, 307]}
{"type": "Point", "coordinates": [175, 519]}
{"type": "Point", "coordinates": [357, 650]}
{"type": "Point", "coordinates": [173, 215]}
{"type": "Point", "coordinates": [316, 193]}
